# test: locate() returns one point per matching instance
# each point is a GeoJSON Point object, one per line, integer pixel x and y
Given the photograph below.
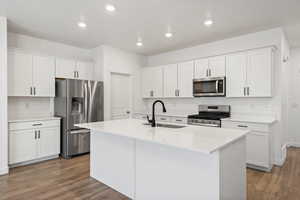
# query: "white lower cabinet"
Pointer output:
{"type": "Point", "coordinates": [259, 145]}
{"type": "Point", "coordinates": [34, 140]}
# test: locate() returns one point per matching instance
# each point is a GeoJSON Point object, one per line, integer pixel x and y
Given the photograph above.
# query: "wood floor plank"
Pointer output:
{"type": "Point", "coordinates": [62, 179]}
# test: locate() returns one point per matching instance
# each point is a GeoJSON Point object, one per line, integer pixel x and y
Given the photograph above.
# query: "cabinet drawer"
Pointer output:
{"type": "Point", "coordinates": [33, 124]}
{"type": "Point", "coordinates": [258, 150]}
{"type": "Point", "coordinates": [179, 120]}
{"type": "Point", "coordinates": [246, 125]}
{"type": "Point", "coordinates": [163, 118]}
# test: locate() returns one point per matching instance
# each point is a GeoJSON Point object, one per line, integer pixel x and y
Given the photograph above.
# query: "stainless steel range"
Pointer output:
{"type": "Point", "coordinates": [209, 115]}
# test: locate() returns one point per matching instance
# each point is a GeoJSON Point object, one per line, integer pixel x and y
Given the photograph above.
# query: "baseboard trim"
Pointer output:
{"type": "Point", "coordinates": [4, 171]}
{"type": "Point", "coordinates": [33, 161]}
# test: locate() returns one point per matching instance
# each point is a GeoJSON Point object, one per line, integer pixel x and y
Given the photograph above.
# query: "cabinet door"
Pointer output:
{"type": "Point", "coordinates": [19, 74]}
{"type": "Point", "coordinates": [258, 149]}
{"type": "Point", "coordinates": [44, 76]}
{"type": "Point", "coordinates": [65, 68]}
{"type": "Point", "coordinates": [236, 75]}
{"type": "Point", "coordinates": [85, 70]}
{"type": "Point", "coordinates": [201, 67]}
{"type": "Point", "coordinates": [259, 73]}
{"type": "Point", "coordinates": [217, 66]}
{"type": "Point", "coordinates": [146, 82]}
{"type": "Point", "coordinates": [22, 146]}
{"type": "Point", "coordinates": [185, 79]}
{"type": "Point", "coordinates": [48, 142]}
{"type": "Point", "coordinates": [170, 80]}
{"type": "Point", "coordinates": [152, 82]}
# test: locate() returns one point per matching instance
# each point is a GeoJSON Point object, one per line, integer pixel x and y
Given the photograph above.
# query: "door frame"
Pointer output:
{"type": "Point", "coordinates": [130, 91]}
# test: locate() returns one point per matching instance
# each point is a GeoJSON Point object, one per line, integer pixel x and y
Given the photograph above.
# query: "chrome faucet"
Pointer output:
{"type": "Point", "coordinates": [153, 123]}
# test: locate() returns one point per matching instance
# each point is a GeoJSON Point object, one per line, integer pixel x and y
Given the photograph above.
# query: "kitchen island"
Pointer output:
{"type": "Point", "coordinates": [147, 163]}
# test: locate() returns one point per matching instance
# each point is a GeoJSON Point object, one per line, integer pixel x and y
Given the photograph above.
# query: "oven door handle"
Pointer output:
{"type": "Point", "coordinates": [217, 86]}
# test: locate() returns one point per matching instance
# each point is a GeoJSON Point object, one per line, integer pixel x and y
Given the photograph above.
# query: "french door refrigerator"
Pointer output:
{"type": "Point", "coordinates": [77, 101]}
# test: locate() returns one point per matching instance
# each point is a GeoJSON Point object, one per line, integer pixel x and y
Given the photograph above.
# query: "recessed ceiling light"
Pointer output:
{"type": "Point", "coordinates": [82, 24]}
{"type": "Point", "coordinates": [169, 35]}
{"type": "Point", "coordinates": [110, 7]}
{"type": "Point", "coordinates": [139, 44]}
{"type": "Point", "coordinates": [208, 22]}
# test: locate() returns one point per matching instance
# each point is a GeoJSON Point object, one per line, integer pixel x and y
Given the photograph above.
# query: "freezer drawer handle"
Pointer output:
{"type": "Point", "coordinates": [242, 126]}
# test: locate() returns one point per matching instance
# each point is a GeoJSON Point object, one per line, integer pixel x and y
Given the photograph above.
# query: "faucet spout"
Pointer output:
{"type": "Point", "coordinates": [153, 123]}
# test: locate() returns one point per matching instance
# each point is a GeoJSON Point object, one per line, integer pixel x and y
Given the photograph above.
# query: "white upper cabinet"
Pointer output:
{"type": "Point", "coordinates": [217, 66]}
{"type": "Point", "coordinates": [19, 74]}
{"type": "Point", "coordinates": [152, 82]}
{"type": "Point", "coordinates": [44, 76]}
{"type": "Point", "coordinates": [72, 69]}
{"type": "Point", "coordinates": [236, 74]}
{"type": "Point", "coordinates": [259, 73]}
{"type": "Point", "coordinates": [170, 80]}
{"type": "Point", "coordinates": [210, 67]}
{"type": "Point", "coordinates": [249, 74]}
{"type": "Point", "coordinates": [201, 69]}
{"type": "Point", "coordinates": [65, 68]}
{"type": "Point", "coordinates": [30, 75]}
{"type": "Point", "coordinates": [185, 79]}
{"type": "Point", "coordinates": [85, 70]}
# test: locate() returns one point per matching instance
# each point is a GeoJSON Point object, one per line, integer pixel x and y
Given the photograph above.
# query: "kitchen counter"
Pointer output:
{"type": "Point", "coordinates": [33, 119]}
{"type": "Point", "coordinates": [252, 119]}
{"type": "Point", "coordinates": [195, 138]}
{"type": "Point", "coordinates": [158, 163]}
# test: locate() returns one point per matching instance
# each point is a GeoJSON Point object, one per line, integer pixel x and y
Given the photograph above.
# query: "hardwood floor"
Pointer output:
{"type": "Point", "coordinates": [69, 179]}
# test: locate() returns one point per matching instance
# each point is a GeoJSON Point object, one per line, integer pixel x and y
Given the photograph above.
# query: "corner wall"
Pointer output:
{"type": "Point", "coordinates": [3, 98]}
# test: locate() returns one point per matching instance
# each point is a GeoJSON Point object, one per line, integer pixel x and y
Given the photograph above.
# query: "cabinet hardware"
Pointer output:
{"type": "Point", "coordinates": [39, 124]}
{"type": "Point", "coordinates": [206, 72]}
{"type": "Point", "coordinates": [243, 126]}
{"type": "Point", "coordinates": [244, 91]}
{"type": "Point", "coordinates": [248, 91]}
{"type": "Point", "coordinates": [39, 133]}
{"type": "Point", "coordinates": [35, 135]}
{"type": "Point", "coordinates": [34, 92]}
{"type": "Point", "coordinates": [163, 119]}
{"type": "Point", "coordinates": [178, 120]}
{"type": "Point", "coordinates": [209, 72]}
{"type": "Point", "coordinates": [74, 74]}
{"type": "Point", "coordinates": [30, 90]}
{"type": "Point", "coordinates": [151, 93]}
{"type": "Point", "coordinates": [178, 93]}
{"type": "Point", "coordinates": [77, 74]}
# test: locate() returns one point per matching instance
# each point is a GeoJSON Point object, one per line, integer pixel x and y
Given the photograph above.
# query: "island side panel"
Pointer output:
{"type": "Point", "coordinates": [164, 172]}
{"type": "Point", "coordinates": [233, 171]}
{"type": "Point", "coordinates": [113, 162]}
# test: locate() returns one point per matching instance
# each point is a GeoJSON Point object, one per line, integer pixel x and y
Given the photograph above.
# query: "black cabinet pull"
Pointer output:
{"type": "Point", "coordinates": [242, 126]}
{"type": "Point", "coordinates": [39, 124]}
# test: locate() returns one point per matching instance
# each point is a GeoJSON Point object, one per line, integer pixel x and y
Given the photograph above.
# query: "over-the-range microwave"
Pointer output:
{"type": "Point", "coordinates": [209, 87]}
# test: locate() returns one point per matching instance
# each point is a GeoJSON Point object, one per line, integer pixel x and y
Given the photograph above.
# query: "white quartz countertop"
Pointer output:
{"type": "Point", "coordinates": [196, 138]}
{"type": "Point", "coordinates": [252, 119]}
{"type": "Point", "coordinates": [33, 119]}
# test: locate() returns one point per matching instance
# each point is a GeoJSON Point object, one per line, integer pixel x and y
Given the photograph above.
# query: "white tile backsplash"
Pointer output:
{"type": "Point", "coordinates": [29, 107]}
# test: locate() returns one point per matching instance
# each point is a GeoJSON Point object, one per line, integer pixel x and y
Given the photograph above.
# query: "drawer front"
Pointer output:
{"type": "Point", "coordinates": [179, 120]}
{"type": "Point", "coordinates": [163, 119]}
{"type": "Point", "coordinates": [246, 125]}
{"type": "Point", "coordinates": [33, 124]}
{"type": "Point", "coordinates": [258, 150]}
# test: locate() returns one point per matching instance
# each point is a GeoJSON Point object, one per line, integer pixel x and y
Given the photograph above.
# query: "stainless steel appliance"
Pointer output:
{"type": "Point", "coordinates": [209, 115]}
{"type": "Point", "coordinates": [208, 87]}
{"type": "Point", "coordinates": [77, 101]}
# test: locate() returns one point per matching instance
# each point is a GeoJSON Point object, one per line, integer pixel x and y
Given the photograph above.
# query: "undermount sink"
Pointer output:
{"type": "Point", "coordinates": [166, 125]}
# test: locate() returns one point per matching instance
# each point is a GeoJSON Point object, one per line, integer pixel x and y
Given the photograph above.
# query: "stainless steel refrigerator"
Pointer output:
{"type": "Point", "coordinates": [77, 101]}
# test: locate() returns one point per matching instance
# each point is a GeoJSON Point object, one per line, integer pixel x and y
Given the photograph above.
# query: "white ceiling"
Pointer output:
{"type": "Point", "coordinates": [149, 19]}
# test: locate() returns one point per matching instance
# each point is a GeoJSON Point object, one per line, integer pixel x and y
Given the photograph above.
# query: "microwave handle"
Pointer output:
{"type": "Point", "coordinates": [217, 86]}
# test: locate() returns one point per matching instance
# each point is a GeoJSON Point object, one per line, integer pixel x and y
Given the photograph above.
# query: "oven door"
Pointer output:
{"type": "Point", "coordinates": [209, 87]}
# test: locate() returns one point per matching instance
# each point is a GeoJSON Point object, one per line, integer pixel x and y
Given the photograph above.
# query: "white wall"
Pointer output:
{"type": "Point", "coordinates": [3, 97]}
{"type": "Point", "coordinates": [111, 60]}
{"type": "Point", "coordinates": [240, 106]}
{"type": "Point", "coordinates": [294, 98]}
{"type": "Point", "coordinates": [29, 107]}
